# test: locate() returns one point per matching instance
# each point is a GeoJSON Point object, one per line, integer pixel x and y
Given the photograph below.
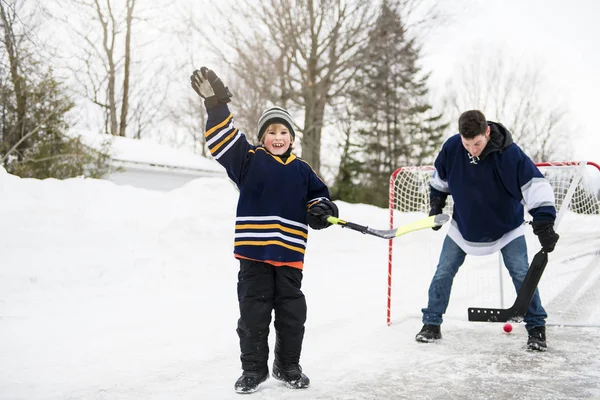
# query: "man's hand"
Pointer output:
{"type": "Point", "coordinates": [210, 87]}
{"type": "Point", "coordinates": [546, 235]}
{"type": "Point", "coordinates": [437, 206]}
{"type": "Point", "coordinates": [318, 213]}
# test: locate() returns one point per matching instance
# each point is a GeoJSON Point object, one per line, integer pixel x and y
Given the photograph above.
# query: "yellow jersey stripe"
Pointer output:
{"type": "Point", "coordinates": [268, 242]}
{"type": "Point", "coordinates": [317, 175]}
{"type": "Point", "coordinates": [222, 142]}
{"type": "Point", "coordinates": [216, 127]}
{"type": "Point", "coordinates": [291, 158]}
{"type": "Point", "coordinates": [272, 226]}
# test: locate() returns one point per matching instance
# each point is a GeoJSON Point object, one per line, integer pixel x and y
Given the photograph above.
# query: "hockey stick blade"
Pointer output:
{"type": "Point", "coordinates": [429, 222]}
{"type": "Point", "coordinates": [518, 310]}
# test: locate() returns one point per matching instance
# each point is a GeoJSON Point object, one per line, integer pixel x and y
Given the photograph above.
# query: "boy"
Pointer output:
{"type": "Point", "coordinates": [279, 195]}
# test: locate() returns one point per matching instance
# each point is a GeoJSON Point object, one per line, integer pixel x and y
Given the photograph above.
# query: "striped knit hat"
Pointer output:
{"type": "Point", "coordinates": [275, 115]}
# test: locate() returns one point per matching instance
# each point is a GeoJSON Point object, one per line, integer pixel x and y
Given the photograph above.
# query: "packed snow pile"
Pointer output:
{"type": "Point", "coordinates": [112, 292]}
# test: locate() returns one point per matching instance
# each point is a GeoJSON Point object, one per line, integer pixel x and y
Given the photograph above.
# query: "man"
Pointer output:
{"type": "Point", "coordinates": [490, 179]}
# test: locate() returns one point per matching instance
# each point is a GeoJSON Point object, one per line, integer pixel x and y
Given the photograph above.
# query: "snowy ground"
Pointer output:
{"type": "Point", "coordinates": [110, 292]}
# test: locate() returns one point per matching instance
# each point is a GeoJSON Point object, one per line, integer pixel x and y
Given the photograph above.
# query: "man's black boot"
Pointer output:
{"type": "Point", "coordinates": [429, 333]}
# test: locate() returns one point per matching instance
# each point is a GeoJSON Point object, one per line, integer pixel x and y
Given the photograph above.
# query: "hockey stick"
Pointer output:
{"type": "Point", "coordinates": [429, 222]}
{"type": "Point", "coordinates": [534, 274]}
{"type": "Point", "coordinates": [518, 310]}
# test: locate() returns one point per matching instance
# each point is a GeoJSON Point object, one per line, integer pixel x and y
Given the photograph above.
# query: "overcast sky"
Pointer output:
{"type": "Point", "coordinates": [562, 36]}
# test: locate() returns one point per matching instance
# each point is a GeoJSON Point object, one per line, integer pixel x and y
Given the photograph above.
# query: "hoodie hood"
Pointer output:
{"type": "Point", "coordinates": [500, 139]}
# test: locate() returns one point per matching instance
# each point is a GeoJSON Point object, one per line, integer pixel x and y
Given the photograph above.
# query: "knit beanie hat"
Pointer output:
{"type": "Point", "coordinates": [275, 115]}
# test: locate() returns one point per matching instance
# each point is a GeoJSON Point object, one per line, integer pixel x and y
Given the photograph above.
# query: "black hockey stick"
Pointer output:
{"type": "Point", "coordinates": [519, 308]}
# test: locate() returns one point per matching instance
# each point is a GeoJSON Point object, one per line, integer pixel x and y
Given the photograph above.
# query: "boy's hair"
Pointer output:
{"type": "Point", "coordinates": [275, 115]}
{"type": "Point", "coordinates": [472, 123]}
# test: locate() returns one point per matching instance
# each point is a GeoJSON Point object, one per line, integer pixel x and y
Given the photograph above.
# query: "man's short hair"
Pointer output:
{"type": "Point", "coordinates": [472, 123]}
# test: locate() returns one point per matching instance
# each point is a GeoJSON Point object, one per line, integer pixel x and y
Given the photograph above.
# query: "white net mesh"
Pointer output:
{"type": "Point", "coordinates": [410, 187]}
{"type": "Point", "coordinates": [570, 287]}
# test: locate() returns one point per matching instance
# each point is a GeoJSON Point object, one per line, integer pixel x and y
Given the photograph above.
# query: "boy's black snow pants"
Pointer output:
{"type": "Point", "coordinates": [262, 288]}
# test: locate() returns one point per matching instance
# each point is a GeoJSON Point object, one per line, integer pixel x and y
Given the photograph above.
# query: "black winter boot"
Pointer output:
{"type": "Point", "coordinates": [291, 375]}
{"type": "Point", "coordinates": [429, 333]}
{"type": "Point", "coordinates": [537, 339]}
{"type": "Point", "coordinates": [249, 381]}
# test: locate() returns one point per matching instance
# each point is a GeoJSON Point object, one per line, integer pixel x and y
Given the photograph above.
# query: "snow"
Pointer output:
{"type": "Point", "coordinates": [150, 165]}
{"type": "Point", "coordinates": [146, 151]}
{"type": "Point", "coordinates": [113, 292]}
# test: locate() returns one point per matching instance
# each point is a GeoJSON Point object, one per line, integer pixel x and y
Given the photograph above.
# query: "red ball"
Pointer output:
{"type": "Point", "coordinates": [507, 328]}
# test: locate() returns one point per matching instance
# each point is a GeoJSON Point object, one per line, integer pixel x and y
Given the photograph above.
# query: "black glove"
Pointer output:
{"type": "Point", "coordinates": [210, 87]}
{"type": "Point", "coordinates": [437, 206]}
{"type": "Point", "coordinates": [318, 213]}
{"type": "Point", "coordinates": [545, 233]}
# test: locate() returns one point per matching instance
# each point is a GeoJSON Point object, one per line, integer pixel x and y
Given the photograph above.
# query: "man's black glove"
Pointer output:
{"type": "Point", "coordinates": [210, 87]}
{"type": "Point", "coordinates": [545, 233]}
{"type": "Point", "coordinates": [318, 213]}
{"type": "Point", "coordinates": [437, 206]}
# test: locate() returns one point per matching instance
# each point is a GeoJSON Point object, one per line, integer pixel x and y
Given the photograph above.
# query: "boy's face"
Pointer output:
{"type": "Point", "coordinates": [277, 139]}
{"type": "Point", "coordinates": [476, 145]}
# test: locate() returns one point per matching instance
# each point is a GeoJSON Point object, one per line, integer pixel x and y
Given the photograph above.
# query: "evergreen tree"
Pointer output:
{"type": "Point", "coordinates": [393, 123]}
{"type": "Point", "coordinates": [33, 112]}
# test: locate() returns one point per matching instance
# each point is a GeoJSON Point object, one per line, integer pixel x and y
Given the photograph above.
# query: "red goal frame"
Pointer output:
{"type": "Point", "coordinates": [392, 203]}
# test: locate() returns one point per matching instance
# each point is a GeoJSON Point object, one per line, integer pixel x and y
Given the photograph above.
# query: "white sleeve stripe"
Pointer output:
{"type": "Point", "coordinates": [542, 204]}
{"type": "Point", "coordinates": [221, 133]}
{"type": "Point", "coordinates": [271, 218]}
{"type": "Point", "coordinates": [439, 184]}
{"type": "Point", "coordinates": [537, 193]}
{"type": "Point", "coordinates": [235, 138]}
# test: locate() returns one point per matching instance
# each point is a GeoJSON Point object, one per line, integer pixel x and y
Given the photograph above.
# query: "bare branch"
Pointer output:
{"type": "Point", "coordinates": [509, 90]}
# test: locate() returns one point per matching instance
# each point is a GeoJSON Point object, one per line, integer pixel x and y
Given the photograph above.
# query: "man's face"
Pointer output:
{"type": "Point", "coordinates": [476, 145]}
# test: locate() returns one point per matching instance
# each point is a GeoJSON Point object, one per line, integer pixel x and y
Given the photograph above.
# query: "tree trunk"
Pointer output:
{"type": "Point", "coordinates": [125, 102]}
{"type": "Point", "coordinates": [18, 81]}
{"type": "Point", "coordinates": [313, 126]}
{"type": "Point", "coordinates": [108, 44]}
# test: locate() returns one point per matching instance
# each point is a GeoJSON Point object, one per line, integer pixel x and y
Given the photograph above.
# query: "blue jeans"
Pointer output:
{"type": "Point", "coordinates": [452, 257]}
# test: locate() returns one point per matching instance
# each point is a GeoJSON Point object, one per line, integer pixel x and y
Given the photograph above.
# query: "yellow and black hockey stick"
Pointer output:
{"type": "Point", "coordinates": [429, 222]}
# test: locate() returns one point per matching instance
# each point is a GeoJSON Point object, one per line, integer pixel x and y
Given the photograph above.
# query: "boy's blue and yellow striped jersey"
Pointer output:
{"type": "Point", "coordinates": [274, 197]}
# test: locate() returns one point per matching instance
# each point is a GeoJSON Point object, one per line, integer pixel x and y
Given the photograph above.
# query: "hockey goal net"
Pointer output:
{"type": "Point", "coordinates": [570, 287]}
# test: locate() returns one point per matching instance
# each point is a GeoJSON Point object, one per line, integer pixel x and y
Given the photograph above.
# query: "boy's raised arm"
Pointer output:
{"type": "Point", "coordinates": [226, 143]}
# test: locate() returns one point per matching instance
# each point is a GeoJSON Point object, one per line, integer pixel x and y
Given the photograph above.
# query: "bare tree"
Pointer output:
{"type": "Point", "coordinates": [110, 23]}
{"type": "Point", "coordinates": [20, 67]}
{"type": "Point", "coordinates": [111, 68]}
{"type": "Point", "coordinates": [511, 91]}
{"type": "Point", "coordinates": [298, 54]}
{"type": "Point", "coordinates": [14, 53]}
{"type": "Point", "coordinates": [129, 5]}
{"type": "Point", "coordinates": [189, 116]}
